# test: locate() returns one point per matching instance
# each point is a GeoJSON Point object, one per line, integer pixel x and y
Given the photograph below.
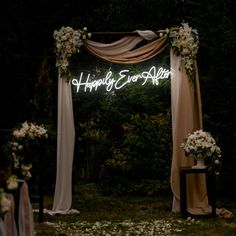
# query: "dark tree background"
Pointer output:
{"type": "Point", "coordinates": [29, 77]}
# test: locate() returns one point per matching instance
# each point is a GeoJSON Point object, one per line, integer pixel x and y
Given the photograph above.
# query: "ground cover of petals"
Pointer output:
{"type": "Point", "coordinates": [127, 227]}
{"type": "Point", "coordinates": [132, 215]}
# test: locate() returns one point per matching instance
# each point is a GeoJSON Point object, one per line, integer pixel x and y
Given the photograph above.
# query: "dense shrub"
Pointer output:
{"type": "Point", "coordinates": [141, 162]}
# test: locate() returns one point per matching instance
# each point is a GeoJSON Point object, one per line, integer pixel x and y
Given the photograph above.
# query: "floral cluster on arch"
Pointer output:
{"type": "Point", "coordinates": [68, 42]}
{"type": "Point", "coordinates": [183, 39]}
{"type": "Point", "coordinates": [185, 43]}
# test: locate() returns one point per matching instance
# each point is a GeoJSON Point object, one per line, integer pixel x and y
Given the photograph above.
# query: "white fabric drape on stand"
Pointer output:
{"type": "Point", "coordinates": [9, 218]}
{"type": "Point", "coordinates": [2, 228]}
{"type": "Point", "coordinates": [26, 218]}
{"type": "Point", "coordinates": [65, 148]}
{"type": "Point", "coordinates": [25, 215]}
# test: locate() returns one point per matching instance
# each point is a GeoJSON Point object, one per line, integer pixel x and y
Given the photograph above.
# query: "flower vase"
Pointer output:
{"type": "Point", "coordinates": [200, 163]}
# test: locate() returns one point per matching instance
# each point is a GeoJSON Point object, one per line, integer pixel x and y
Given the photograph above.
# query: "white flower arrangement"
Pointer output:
{"type": "Point", "coordinates": [17, 149]}
{"type": "Point", "coordinates": [29, 130]}
{"type": "Point", "coordinates": [22, 140]}
{"type": "Point", "coordinates": [202, 144]}
{"type": "Point", "coordinates": [68, 42]}
{"type": "Point", "coordinates": [185, 43]}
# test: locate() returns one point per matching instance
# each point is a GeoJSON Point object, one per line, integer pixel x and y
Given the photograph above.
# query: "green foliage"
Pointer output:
{"type": "Point", "coordinates": [140, 162]}
{"type": "Point", "coordinates": [217, 76]}
{"type": "Point", "coordinates": [124, 136]}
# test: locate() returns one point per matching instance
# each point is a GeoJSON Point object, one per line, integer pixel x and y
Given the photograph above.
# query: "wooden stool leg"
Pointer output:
{"type": "Point", "coordinates": [183, 195]}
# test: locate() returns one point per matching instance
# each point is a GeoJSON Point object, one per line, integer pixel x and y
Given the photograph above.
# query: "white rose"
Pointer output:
{"type": "Point", "coordinates": [217, 162]}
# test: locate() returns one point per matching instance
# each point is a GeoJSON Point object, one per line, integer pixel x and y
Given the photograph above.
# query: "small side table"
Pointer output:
{"type": "Point", "coordinates": [211, 189]}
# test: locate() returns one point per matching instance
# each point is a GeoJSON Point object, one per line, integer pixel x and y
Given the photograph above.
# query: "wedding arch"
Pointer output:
{"type": "Point", "coordinates": [185, 101]}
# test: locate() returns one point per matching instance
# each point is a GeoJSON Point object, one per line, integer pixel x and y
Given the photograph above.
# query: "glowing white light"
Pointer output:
{"type": "Point", "coordinates": [124, 78]}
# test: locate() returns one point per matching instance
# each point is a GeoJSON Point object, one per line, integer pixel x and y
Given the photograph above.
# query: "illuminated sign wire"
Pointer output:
{"type": "Point", "coordinates": [124, 78]}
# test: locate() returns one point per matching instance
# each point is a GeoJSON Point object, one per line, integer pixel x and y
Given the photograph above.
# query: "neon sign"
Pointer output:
{"type": "Point", "coordinates": [124, 78]}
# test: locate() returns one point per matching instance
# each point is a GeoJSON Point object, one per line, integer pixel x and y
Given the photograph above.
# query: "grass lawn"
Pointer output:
{"type": "Point", "coordinates": [129, 215]}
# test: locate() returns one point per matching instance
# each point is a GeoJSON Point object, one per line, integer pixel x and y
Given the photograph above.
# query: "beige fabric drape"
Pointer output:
{"type": "Point", "coordinates": [120, 56]}
{"type": "Point", "coordinates": [186, 117]}
{"type": "Point", "coordinates": [65, 148]}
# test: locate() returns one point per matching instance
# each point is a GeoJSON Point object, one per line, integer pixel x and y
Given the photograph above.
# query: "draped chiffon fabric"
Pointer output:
{"type": "Point", "coordinates": [186, 117]}
{"type": "Point", "coordinates": [119, 56]}
{"type": "Point", "coordinates": [65, 148]}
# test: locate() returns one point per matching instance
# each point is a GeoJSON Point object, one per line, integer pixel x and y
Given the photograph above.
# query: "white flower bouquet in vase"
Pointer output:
{"type": "Point", "coordinates": [202, 146]}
